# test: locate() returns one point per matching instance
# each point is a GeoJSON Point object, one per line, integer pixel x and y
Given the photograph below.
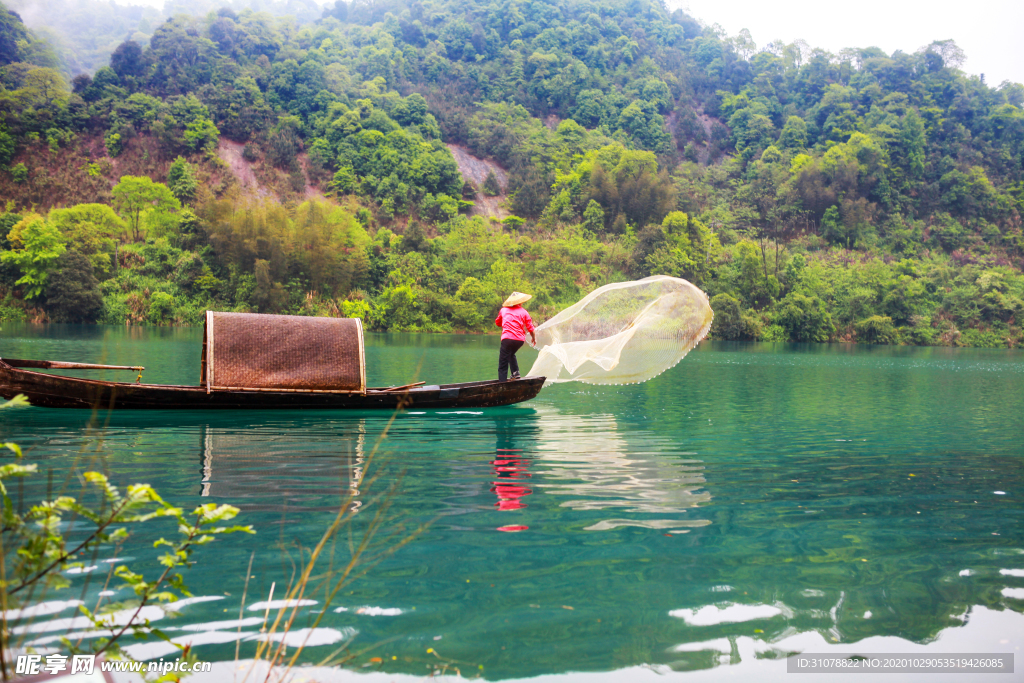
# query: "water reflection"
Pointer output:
{"type": "Point", "coordinates": [280, 468]}
{"type": "Point", "coordinates": [865, 615]}
{"type": "Point", "coordinates": [849, 510]}
{"type": "Point", "coordinates": [511, 470]}
{"type": "Point", "coordinates": [600, 468]}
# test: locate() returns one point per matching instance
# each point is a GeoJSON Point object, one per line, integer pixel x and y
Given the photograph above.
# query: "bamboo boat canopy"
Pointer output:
{"type": "Point", "coordinates": [257, 352]}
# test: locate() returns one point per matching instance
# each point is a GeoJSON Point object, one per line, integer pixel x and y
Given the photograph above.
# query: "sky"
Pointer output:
{"type": "Point", "coordinates": [990, 32]}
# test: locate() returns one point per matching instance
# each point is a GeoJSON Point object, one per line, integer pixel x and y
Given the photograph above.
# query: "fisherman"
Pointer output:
{"type": "Point", "coordinates": [514, 322]}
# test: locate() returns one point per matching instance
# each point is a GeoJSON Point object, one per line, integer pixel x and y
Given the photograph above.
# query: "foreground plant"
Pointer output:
{"type": "Point", "coordinates": [36, 549]}
{"type": "Point", "coordinates": [380, 539]}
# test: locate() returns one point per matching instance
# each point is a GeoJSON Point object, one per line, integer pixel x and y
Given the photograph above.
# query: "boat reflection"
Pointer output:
{"type": "Point", "coordinates": [258, 469]}
{"type": "Point", "coordinates": [598, 467]}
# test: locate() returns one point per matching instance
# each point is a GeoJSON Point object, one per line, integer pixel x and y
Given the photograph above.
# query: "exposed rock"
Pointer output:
{"type": "Point", "coordinates": [475, 170]}
{"type": "Point", "coordinates": [231, 154]}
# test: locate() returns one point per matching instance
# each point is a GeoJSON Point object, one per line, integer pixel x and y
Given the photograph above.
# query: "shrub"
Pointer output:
{"type": "Point", "coordinates": [491, 186]}
{"type": "Point", "coordinates": [804, 318]}
{"type": "Point", "coordinates": [113, 143]}
{"type": "Point", "coordinates": [73, 293]}
{"type": "Point", "coordinates": [250, 153]}
{"type": "Point", "coordinates": [728, 322]}
{"type": "Point", "coordinates": [19, 172]}
{"type": "Point", "coordinates": [161, 307]}
{"type": "Point", "coordinates": [355, 309]}
{"type": "Point", "coordinates": [7, 147]}
{"type": "Point", "coordinates": [877, 329]}
{"type": "Point", "coordinates": [188, 271]}
{"type": "Point", "coordinates": [37, 554]}
{"type": "Point", "coordinates": [182, 180]}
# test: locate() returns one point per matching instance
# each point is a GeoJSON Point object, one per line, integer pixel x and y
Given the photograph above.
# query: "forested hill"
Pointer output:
{"type": "Point", "coordinates": [242, 161]}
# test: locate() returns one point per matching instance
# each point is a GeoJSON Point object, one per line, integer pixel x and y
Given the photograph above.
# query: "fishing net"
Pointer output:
{"type": "Point", "coordinates": [623, 333]}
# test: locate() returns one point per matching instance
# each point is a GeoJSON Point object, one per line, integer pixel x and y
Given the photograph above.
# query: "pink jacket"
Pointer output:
{"type": "Point", "coordinates": [514, 322]}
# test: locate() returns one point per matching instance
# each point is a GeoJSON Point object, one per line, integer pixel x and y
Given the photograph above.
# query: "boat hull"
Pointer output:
{"type": "Point", "coordinates": [58, 391]}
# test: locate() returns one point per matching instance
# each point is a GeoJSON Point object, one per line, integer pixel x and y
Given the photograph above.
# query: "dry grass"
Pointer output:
{"type": "Point", "coordinates": [84, 173]}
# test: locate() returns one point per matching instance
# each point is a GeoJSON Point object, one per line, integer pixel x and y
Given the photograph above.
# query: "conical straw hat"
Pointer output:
{"type": "Point", "coordinates": [517, 298]}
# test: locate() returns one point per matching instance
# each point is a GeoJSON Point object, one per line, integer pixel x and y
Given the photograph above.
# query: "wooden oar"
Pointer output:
{"type": "Point", "coordinates": [62, 365]}
{"type": "Point", "coordinates": [404, 386]}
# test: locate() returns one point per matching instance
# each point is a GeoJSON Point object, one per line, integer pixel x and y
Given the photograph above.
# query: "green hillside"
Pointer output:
{"type": "Point", "coordinates": [241, 161]}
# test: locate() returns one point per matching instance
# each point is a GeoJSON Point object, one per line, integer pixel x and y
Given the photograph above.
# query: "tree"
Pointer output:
{"type": "Point", "coordinates": [339, 10]}
{"type": "Point", "coordinates": [90, 230]}
{"type": "Point", "coordinates": [127, 61]}
{"type": "Point", "coordinates": [645, 125]}
{"type": "Point", "coordinates": [506, 276]}
{"type": "Point", "coordinates": [794, 134]}
{"type": "Point", "coordinates": [649, 240]}
{"type": "Point", "coordinates": [398, 309]}
{"type": "Point", "coordinates": [12, 31]}
{"type": "Point", "coordinates": [414, 238]}
{"type": "Point", "coordinates": [410, 111]}
{"type": "Point", "coordinates": [161, 308]}
{"type": "Point", "coordinates": [951, 54]}
{"type": "Point", "coordinates": [201, 134]}
{"type": "Point", "coordinates": [804, 318]}
{"type": "Point", "coordinates": [43, 87]}
{"type": "Point", "coordinates": [474, 301]}
{"type": "Point", "coordinates": [530, 191]}
{"type": "Point", "coordinates": [593, 217]}
{"type": "Point", "coordinates": [7, 147]}
{"type": "Point", "coordinates": [728, 317]}
{"type": "Point", "coordinates": [41, 244]}
{"type": "Point", "coordinates": [73, 293]}
{"type": "Point", "coordinates": [512, 222]}
{"type": "Point", "coordinates": [912, 139]}
{"type": "Point", "coordinates": [284, 142]}
{"type": "Point", "coordinates": [491, 186]}
{"type": "Point", "coordinates": [182, 180]}
{"type": "Point", "coordinates": [877, 329]}
{"type": "Point", "coordinates": [832, 227]}
{"type": "Point", "coordinates": [136, 195]}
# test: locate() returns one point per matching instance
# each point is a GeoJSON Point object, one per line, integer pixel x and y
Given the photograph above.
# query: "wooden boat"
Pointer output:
{"type": "Point", "coordinates": [256, 361]}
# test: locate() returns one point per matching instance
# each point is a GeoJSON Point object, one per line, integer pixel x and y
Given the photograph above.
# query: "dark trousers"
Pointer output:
{"type": "Point", "coordinates": [507, 358]}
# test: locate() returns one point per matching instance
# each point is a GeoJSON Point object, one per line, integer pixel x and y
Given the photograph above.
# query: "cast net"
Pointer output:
{"type": "Point", "coordinates": [623, 333]}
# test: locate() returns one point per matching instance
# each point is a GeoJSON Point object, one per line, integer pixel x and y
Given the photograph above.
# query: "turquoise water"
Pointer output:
{"type": "Point", "coordinates": [754, 501]}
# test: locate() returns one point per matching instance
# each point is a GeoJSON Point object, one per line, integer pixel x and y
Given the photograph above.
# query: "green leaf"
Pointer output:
{"type": "Point", "coordinates": [165, 596]}
{"type": "Point", "coordinates": [171, 559]}
{"type": "Point", "coordinates": [247, 529]}
{"type": "Point", "coordinates": [211, 513]}
{"type": "Point", "coordinates": [164, 637]}
{"type": "Point", "coordinates": [14, 469]}
{"type": "Point", "coordinates": [18, 401]}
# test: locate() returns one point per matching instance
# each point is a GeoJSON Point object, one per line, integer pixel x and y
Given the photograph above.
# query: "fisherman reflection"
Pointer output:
{"type": "Point", "coordinates": [511, 470]}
